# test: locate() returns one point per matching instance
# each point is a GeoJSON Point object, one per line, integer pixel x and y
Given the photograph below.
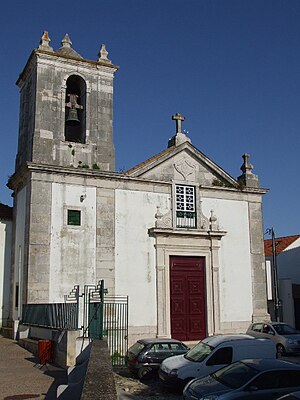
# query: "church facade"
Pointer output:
{"type": "Point", "coordinates": [177, 234]}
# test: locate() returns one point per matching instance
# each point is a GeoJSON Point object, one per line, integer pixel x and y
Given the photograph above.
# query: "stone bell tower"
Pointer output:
{"type": "Point", "coordinates": [66, 108]}
{"type": "Point", "coordinates": [65, 146]}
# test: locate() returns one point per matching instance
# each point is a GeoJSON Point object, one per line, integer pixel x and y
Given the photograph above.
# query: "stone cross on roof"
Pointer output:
{"type": "Point", "coordinates": [179, 137]}
{"type": "Point", "coordinates": [178, 118]}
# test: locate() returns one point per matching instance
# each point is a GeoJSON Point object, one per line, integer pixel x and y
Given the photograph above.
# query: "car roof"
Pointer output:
{"type": "Point", "coordinates": [262, 364]}
{"type": "Point", "coordinates": [158, 340]}
{"type": "Point", "coordinates": [218, 339]}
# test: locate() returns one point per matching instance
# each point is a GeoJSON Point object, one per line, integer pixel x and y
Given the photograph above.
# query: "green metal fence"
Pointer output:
{"type": "Point", "coordinates": [107, 316]}
{"type": "Point", "coordinates": [56, 315]}
{"type": "Point", "coordinates": [100, 315]}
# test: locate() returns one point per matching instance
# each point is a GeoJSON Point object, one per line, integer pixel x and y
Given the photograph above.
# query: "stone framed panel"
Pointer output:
{"type": "Point", "coordinates": [198, 244]}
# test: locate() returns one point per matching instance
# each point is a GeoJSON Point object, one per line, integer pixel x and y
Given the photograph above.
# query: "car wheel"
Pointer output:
{"type": "Point", "coordinates": [143, 371]}
{"type": "Point", "coordinates": [280, 350]}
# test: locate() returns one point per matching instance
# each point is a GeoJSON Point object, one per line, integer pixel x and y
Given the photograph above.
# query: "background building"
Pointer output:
{"type": "Point", "coordinates": [288, 271]}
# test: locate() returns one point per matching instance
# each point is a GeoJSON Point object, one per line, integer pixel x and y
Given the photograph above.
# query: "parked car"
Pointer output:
{"type": "Point", "coordinates": [264, 379]}
{"type": "Point", "coordinates": [146, 355]}
{"type": "Point", "coordinates": [286, 338]}
{"type": "Point", "coordinates": [211, 354]}
{"type": "Point", "coordinates": [290, 396]}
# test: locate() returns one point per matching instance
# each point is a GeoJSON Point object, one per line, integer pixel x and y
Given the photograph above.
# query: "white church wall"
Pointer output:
{"type": "Point", "coordinates": [73, 248]}
{"type": "Point", "coordinates": [235, 259]}
{"type": "Point", "coordinates": [5, 269]}
{"type": "Point", "coordinates": [135, 213]}
{"type": "Point", "coordinates": [19, 250]}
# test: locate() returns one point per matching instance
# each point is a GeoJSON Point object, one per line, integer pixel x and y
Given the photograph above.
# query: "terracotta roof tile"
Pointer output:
{"type": "Point", "coordinates": [281, 244]}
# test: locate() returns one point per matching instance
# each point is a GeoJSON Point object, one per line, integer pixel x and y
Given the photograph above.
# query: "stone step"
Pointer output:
{"type": "Point", "coordinates": [7, 332]}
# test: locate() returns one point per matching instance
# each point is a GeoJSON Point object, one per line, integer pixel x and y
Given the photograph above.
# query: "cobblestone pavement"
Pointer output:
{"type": "Point", "coordinates": [129, 387]}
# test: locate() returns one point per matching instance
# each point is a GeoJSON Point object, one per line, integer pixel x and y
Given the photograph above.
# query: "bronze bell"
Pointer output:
{"type": "Point", "coordinates": [72, 117]}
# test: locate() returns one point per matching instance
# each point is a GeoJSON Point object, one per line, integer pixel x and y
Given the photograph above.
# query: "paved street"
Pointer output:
{"type": "Point", "coordinates": [22, 378]}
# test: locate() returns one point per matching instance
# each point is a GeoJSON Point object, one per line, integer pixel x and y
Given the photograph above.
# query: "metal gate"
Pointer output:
{"type": "Point", "coordinates": [106, 316]}
{"type": "Point", "coordinates": [115, 327]}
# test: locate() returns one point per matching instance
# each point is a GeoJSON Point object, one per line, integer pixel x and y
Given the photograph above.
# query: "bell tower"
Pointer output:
{"type": "Point", "coordinates": [65, 148]}
{"type": "Point", "coordinates": [66, 107]}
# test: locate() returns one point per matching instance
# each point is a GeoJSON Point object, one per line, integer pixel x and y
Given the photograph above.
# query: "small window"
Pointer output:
{"type": "Point", "coordinates": [158, 347]}
{"type": "Point", "coordinates": [185, 206]}
{"type": "Point", "coordinates": [267, 380]}
{"type": "Point", "coordinates": [267, 329]}
{"type": "Point", "coordinates": [257, 327]}
{"type": "Point", "coordinates": [289, 379]}
{"type": "Point", "coordinates": [17, 296]}
{"type": "Point", "coordinates": [221, 356]}
{"type": "Point", "coordinates": [177, 346]}
{"type": "Point", "coordinates": [74, 217]}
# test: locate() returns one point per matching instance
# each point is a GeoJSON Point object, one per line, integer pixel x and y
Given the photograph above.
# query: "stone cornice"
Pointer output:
{"type": "Point", "coordinates": [241, 190]}
{"type": "Point", "coordinates": [49, 169]}
{"type": "Point", "coordinates": [21, 175]}
{"type": "Point", "coordinates": [154, 232]}
{"type": "Point", "coordinates": [58, 56]}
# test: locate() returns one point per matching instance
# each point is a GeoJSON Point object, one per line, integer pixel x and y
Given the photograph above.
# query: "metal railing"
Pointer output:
{"type": "Point", "coordinates": [96, 313]}
{"type": "Point", "coordinates": [56, 315]}
{"type": "Point", "coordinates": [115, 327]}
{"type": "Point", "coordinates": [185, 219]}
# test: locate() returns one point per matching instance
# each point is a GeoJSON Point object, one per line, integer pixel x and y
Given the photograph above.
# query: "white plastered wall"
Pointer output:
{"type": "Point", "coordinates": [134, 249]}
{"type": "Point", "coordinates": [73, 248]}
{"type": "Point", "coordinates": [5, 269]}
{"type": "Point", "coordinates": [235, 258]}
{"type": "Point", "coordinates": [135, 252]}
{"type": "Point", "coordinates": [19, 250]}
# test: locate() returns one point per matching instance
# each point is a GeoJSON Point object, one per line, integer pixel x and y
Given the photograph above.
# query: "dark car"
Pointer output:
{"type": "Point", "coordinates": [286, 338]}
{"type": "Point", "coordinates": [146, 355]}
{"type": "Point", "coordinates": [291, 396]}
{"type": "Point", "coordinates": [250, 379]}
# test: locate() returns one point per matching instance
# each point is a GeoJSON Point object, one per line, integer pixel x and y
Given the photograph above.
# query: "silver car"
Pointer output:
{"type": "Point", "coordinates": [252, 379]}
{"type": "Point", "coordinates": [286, 338]}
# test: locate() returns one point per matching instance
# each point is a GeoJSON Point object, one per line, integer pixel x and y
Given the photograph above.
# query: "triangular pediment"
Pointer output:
{"type": "Point", "coordinates": [183, 163]}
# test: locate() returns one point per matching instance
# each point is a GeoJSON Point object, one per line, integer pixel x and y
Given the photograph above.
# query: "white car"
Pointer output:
{"type": "Point", "coordinates": [211, 354]}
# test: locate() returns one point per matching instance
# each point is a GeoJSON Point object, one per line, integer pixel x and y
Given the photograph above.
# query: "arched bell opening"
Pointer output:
{"type": "Point", "coordinates": [75, 112]}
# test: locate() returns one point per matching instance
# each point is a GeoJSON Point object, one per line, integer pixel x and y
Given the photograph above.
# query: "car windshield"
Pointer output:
{"type": "Point", "coordinates": [284, 329]}
{"type": "Point", "coordinates": [199, 352]}
{"type": "Point", "coordinates": [235, 375]}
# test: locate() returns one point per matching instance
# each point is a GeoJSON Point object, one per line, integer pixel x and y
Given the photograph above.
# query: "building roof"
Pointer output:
{"type": "Point", "coordinates": [281, 244]}
{"type": "Point", "coordinates": [6, 212]}
{"type": "Point", "coordinates": [149, 160]}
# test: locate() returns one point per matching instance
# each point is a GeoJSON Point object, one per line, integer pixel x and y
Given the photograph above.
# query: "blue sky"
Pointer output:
{"type": "Point", "coordinates": [231, 67]}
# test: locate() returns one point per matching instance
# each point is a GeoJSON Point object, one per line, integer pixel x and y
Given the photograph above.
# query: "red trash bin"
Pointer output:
{"type": "Point", "coordinates": [45, 351]}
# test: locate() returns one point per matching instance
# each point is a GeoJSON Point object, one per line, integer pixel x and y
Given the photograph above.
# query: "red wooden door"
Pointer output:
{"type": "Point", "coordinates": [188, 307]}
